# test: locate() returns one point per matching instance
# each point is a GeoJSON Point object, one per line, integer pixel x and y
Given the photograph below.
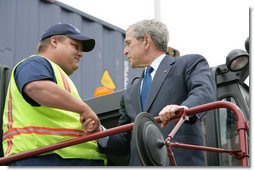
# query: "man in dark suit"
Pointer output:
{"type": "Point", "coordinates": [176, 83]}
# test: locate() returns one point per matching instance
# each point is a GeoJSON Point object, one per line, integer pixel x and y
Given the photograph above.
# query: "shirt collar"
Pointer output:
{"type": "Point", "coordinates": [155, 64]}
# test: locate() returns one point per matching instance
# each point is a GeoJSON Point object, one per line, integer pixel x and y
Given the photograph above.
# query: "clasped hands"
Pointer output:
{"type": "Point", "coordinates": [90, 123]}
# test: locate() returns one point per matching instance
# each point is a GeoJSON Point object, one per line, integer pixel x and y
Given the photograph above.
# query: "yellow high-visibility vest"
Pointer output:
{"type": "Point", "coordinates": [26, 127]}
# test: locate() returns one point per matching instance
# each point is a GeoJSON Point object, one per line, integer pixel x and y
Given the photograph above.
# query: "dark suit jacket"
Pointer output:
{"type": "Point", "coordinates": [185, 80]}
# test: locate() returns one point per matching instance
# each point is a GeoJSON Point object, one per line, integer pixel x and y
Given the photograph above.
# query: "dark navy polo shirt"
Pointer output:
{"type": "Point", "coordinates": [33, 69]}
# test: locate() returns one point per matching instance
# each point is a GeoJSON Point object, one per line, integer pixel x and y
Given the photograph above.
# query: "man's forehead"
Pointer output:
{"type": "Point", "coordinates": [129, 35]}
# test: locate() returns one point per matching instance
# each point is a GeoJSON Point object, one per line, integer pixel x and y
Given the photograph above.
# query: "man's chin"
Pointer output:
{"type": "Point", "coordinates": [76, 66]}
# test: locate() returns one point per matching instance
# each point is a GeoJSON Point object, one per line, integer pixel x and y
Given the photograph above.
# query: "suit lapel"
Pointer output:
{"type": "Point", "coordinates": [161, 74]}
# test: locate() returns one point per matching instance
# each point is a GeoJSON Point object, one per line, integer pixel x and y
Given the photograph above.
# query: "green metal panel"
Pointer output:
{"type": "Point", "coordinates": [5, 74]}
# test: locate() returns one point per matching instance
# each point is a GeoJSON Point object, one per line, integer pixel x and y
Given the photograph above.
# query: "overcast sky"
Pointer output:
{"type": "Point", "coordinates": [210, 28]}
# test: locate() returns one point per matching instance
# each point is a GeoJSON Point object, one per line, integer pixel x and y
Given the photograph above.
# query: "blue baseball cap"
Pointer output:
{"type": "Point", "coordinates": [72, 32]}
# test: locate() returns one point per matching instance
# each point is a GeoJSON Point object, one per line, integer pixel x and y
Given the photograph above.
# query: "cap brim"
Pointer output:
{"type": "Point", "coordinates": [88, 43]}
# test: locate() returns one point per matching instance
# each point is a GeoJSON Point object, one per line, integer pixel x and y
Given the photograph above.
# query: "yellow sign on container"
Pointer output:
{"type": "Point", "coordinates": [107, 81]}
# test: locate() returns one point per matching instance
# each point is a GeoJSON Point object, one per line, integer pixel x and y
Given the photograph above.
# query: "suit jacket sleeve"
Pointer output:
{"type": "Point", "coordinates": [119, 144]}
{"type": "Point", "coordinates": [200, 83]}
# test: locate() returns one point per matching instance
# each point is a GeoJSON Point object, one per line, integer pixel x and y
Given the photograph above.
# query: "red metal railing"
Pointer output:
{"type": "Point", "coordinates": [242, 127]}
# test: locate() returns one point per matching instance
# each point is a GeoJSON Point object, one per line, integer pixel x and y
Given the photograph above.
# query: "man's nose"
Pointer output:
{"type": "Point", "coordinates": [80, 53]}
{"type": "Point", "coordinates": [125, 52]}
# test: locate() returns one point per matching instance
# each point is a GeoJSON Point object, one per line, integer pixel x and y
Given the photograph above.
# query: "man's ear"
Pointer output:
{"type": "Point", "coordinates": [53, 41]}
{"type": "Point", "coordinates": [147, 40]}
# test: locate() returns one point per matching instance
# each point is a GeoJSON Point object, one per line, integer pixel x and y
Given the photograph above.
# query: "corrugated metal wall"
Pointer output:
{"type": "Point", "coordinates": [22, 22]}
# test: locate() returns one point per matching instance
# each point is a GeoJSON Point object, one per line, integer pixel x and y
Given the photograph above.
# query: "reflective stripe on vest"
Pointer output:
{"type": "Point", "coordinates": [42, 130]}
{"type": "Point", "coordinates": [65, 82]}
{"type": "Point", "coordinates": [10, 121]}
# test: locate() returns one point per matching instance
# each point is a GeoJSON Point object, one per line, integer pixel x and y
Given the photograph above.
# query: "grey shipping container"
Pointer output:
{"type": "Point", "coordinates": [22, 22]}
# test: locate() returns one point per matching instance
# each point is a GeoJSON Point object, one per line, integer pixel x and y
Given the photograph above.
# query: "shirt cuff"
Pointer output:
{"type": "Point", "coordinates": [102, 142]}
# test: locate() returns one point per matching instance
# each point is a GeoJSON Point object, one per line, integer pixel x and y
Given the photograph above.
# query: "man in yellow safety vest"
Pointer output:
{"type": "Point", "coordinates": [43, 106]}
